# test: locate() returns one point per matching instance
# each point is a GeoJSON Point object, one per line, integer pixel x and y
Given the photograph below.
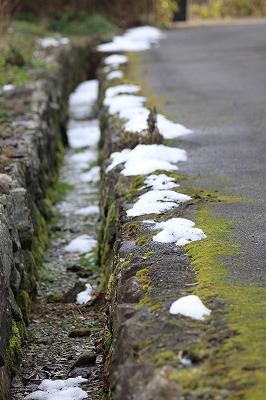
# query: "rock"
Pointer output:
{"type": "Point", "coordinates": [85, 359]}
{"type": "Point", "coordinates": [161, 387]}
{"type": "Point", "coordinates": [83, 372]}
{"type": "Point", "coordinates": [80, 332]}
{"type": "Point", "coordinates": [5, 317]}
{"type": "Point", "coordinates": [23, 217]}
{"type": "Point", "coordinates": [131, 291]}
{"type": "Point", "coordinates": [122, 313]}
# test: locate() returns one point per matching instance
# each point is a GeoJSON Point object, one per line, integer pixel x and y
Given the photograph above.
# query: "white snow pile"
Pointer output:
{"type": "Point", "coordinates": [115, 60]}
{"type": "Point", "coordinates": [145, 159]}
{"type": "Point", "coordinates": [180, 231]}
{"type": "Point", "coordinates": [123, 102]}
{"type": "Point", "coordinates": [130, 108]}
{"type": "Point", "coordinates": [84, 296]}
{"type": "Point", "coordinates": [53, 42]}
{"type": "Point", "coordinates": [119, 89]}
{"type": "Point", "coordinates": [156, 201]}
{"type": "Point", "coordinates": [59, 389]}
{"type": "Point", "coordinates": [83, 134]}
{"type": "Point", "coordinates": [82, 100]}
{"type": "Point", "coordinates": [160, 182]}
{"type": "Point", "coordinates": [135, 39]}
{"type": "Point", "coordinates": [8, 87]}
{"type": "Point", "coordinates": [93, 175]}
{"type": "Point", "coordinates": [190, 306]}
{"type": "Point", "coordinates": [81, 244]}
{"type": "Point", "coordinates": [115, 75]}
{"type": "Point", "coordinates": [83, 159]}
{"type": "Point", "coordinates": [167, 128]}
{"type": "Point", "coordinates": [90, 210]}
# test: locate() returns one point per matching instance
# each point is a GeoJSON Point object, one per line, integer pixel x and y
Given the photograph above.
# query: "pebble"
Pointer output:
{"type": "Point", "coordinates": [85, 359]}
{"type": "Point", "coordinates": [79, 332]}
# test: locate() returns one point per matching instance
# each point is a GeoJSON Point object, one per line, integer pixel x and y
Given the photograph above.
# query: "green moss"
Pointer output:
{"type": "Point", "coordinates": [24, 302]}
{"type": "Point", "coordinates": [14, 351]}
{"type": "Point", "coordinates": [59, 191]}
{"type": "Point", "coordinates": [148, 254]}
{"type": "Point", "coordinates": [55, 298]}
{"type": "Point", "coordinates": [142, 272]}
{"type": "Point", "coordinates": [125, 264]}
{"type": "Point", "coordinates": [236, 358]}
{"type": "Point", "coordinates": [141, 240]}
{"type": "Point", "coordinates": [40, 241]}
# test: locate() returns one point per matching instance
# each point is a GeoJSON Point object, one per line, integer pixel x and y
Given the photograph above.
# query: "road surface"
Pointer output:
{"type": "Point", "coordinates": [212, 79]}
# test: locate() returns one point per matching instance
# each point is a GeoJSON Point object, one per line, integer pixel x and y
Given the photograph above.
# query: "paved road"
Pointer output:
{"type": "Point", "coordinates": [213, 80]}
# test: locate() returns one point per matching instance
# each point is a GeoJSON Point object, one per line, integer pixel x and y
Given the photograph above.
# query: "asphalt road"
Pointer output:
{"type": "Point", "coordinates": [212, 79]}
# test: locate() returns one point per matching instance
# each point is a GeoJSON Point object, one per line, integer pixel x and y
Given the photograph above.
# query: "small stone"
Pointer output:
{"type": "Point", "coordinates": [74, 268]}
{"type": "Point", "coordinates": [80, 332]}
{"type": "Point", "coordinates": [83, 372]}
{"type": "Point", "coordinates": [85, 359]}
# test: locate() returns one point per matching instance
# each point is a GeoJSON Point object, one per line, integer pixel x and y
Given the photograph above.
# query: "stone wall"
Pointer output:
{"type": "Point", "coordinates": [150, 354]}
{"type": "Point", "coordinates": [31, 150]}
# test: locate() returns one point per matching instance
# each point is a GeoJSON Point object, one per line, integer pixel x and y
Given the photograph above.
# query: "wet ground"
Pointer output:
{"type": "Point", "coordinates": [61, 330]}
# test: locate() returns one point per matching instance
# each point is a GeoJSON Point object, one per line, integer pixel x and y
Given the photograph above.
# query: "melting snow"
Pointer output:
{"type": "Point", "coordinates": [130, 108]}
{"type": "Point", "coordinates": [179, 231]}
{"type": "Point", "coordinates": [53, 42]}
{"type": "Point", "coordinates": [59, 389]}
{"type": "Point", "coordinates": [81, 244]}
{"type": "Point", "coordinates": [145, 159]}
{"type": "Point", "coordinates": [122, 102]}
{"type": "Point", "coordinates": [160, 182]}
{"type": "Point", "coordinates": [83, 134]}
{"type": "Point", "coordinates": [81, 160]}
{"type": "Point", "coordinates": [156, 201]}
{"type": "Point", "coordinates": [123, 88]}
{"type": "Point", "coordinates": [90, 210]}
{"type": "Point", "coordinates": [115, 75]}
{"type": "Point", "coordinates": [82, 100]}
{"type": "Point", "coordinates": [93, 175]}
{"type": "Point", "coordinates": [8, 87]}
{"type": "Point", "coordinates": [135, 39]}
{"type": "Point", "coordinates": [116, 59]}
{"type": "Point", "coordinates": [85, 295]}
{"type": "Point", "coordinates": [137, 121]}
{"type": "Point", "coordinates": [190, 306]}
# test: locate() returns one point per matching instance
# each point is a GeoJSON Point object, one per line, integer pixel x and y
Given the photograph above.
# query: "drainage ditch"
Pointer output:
{"type": "Point", "coordinates": [68, 317]}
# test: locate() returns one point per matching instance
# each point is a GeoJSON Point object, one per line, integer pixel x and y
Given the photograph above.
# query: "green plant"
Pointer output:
{"type": "Point", "coordinates": [228, 8]}
{"type": "Point", "coordinates": [82, 24]}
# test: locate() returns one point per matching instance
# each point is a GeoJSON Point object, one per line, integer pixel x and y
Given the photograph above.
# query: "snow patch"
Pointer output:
{"type": "Point", "coordinates": [83, 134]}
{"type": "Point", "coordinates": [119, 89]}
{"type": "Point", "coordinates": [190, 306]}
{"type": "Point", "coordinates": [59, 389]}
{"type": "Point", "coordinates": [160, 182]}
{"type": "Point", "coordinates": [137, 122]}
{"type": "Point", "coordinates": [81, 244]}
{"type": "Point", "coordinates": [81, 160]}
{"type": "Point", "coordinates": [83, 99]}
{"type": "Point", "coordinates": [123, 102]}
{"type": "Point", "coordinates": [93, 175]}
{"type": "Point", "coordinates": [145, 159]}
{"type": "Point", "coordinates": [90, 210]}
{"type": "Point", "coordinates": [156, 201]}
{"type": "Point", "coordinates": [135, 39]}
{"type": "Point", "coordinates": [116, 59]}
{"type": "Point", "coordinates": [8, 87]}
{"type": "Point", "coordinates": [53, 42]}
{"type": "Point", "coordinates": [84, 296]}
{"type": "Point", "coordinates": [180, 231]}
{"type": "Point", "coordinates": [115, 75]}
